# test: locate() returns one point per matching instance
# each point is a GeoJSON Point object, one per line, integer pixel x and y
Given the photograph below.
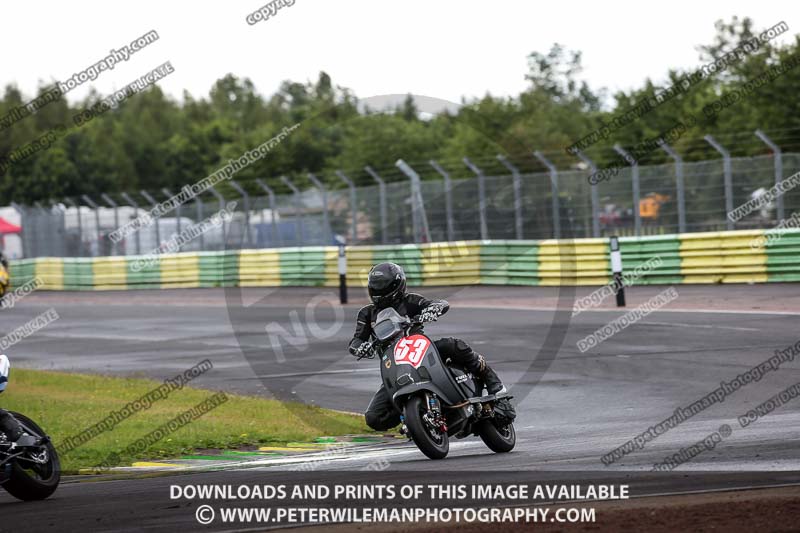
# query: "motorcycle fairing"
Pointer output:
{"type": "Point", "coordinates": [401, 377]}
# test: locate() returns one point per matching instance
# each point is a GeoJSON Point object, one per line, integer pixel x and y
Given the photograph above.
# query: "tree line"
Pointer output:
{"type": "Point", "coordinates": [151, 141]}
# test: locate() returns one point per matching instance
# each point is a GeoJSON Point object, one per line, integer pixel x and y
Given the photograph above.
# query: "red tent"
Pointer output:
{"type": "Point", "coordinates": [7, 227]}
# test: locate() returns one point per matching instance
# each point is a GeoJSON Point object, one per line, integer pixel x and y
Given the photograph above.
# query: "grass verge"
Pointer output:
{"type": "Point", "coordinates": [65, 404]}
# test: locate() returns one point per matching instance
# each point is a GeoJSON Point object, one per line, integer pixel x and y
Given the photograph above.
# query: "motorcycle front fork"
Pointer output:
{"type": "Point", "coordinates": [404, 427]}
{"type": "Point", "coordinates": [434, 414]}
{"type": "Point", "coordinates": [433, 417]}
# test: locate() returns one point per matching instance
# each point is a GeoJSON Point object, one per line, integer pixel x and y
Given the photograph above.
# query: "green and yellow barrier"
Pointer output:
{"type": "Point", "coordinates": [783, 255]}
{"type": "Point", "coordinates": [752, 256]}
{"type": "Point", "coordinates": [78, 273]}
{"type": "Point", "coordinates": [722, 257]}
{"type": "Point", "coordinates": [639, 255]}
{"type": "Point", "coordinates": [21, 272]}
{"type": "Point", "coordinates": [259, 268]}
{"type": "Point", "coordinates": [574, 262]}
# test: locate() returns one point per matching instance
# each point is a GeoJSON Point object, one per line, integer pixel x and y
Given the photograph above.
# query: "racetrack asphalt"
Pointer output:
{"type": "Point", "coordinates": [570, 413]}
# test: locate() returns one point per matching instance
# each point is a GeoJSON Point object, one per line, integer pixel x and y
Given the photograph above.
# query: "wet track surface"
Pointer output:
{"type": "Point", "coordinates": [583, 406]}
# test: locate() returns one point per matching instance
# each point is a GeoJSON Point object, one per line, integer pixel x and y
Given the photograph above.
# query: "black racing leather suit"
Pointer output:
{"type": "Point", "coordinates": [8, 424]}
{"type": "Point", "coordinates": [381, 413]}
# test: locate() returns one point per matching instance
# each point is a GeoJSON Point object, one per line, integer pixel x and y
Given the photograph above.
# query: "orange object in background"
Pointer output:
{"type": "Point", "coordinates": [650, 206]}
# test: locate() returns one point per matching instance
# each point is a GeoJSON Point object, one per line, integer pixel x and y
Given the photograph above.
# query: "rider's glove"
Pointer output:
{"type": "Point", "coordinates": [430, 313]}
{"type": "Point", "coordinates": [363, 350]}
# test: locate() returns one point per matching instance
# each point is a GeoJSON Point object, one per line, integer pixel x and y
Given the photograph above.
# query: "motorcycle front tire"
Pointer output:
{"type": "Point", "coordinates": [21, 484]}
{"type": "Point", "coordinates": [435, 447]}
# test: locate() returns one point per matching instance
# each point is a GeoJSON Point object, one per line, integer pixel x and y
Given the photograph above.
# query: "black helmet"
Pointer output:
{"type": "Point", "coordinates": [386, 284]}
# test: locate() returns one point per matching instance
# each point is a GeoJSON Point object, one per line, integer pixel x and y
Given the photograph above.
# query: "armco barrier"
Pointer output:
{"type": "Point", "coordinates": [783, 256]}
{"type": "Point", "coordinates": [638, 250]}
{"type": "Point", "coordinates": [51, 272]}
{"type": "Point", "coordinates": [722, 257]}
{"type": "Point", "coordinates": [573, 262]}
{"type": "Point", "coordinates": [719, 257]}
{"type": "Point", "coordinates": [22, 271]}
{"type": "Point", "coordinates": [509, 263]}
{"type": "Point", "coordinates": [78, 273]}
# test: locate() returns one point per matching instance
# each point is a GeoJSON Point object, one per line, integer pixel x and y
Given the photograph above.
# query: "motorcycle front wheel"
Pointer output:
{"type": "Point", "coordinates": [430, 440]}
{"type": "Point", "coordinates": [32, 480]}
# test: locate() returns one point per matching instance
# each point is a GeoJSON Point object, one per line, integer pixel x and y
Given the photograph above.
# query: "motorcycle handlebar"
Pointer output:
{"type": "Point", "coordinates": [370, 353]}
{"type": "Point", "coordinates": [410, 322]}
{"type": "Point", "coordinates": [417, 321]}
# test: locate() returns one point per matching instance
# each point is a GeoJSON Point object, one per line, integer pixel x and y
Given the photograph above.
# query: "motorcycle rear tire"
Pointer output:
{"type": "Point", "coordinates": [419, 431]}
{"type": "Point", "coordinates": [20, 484]}
{"type": "Point", "coordinates": [498, 440]}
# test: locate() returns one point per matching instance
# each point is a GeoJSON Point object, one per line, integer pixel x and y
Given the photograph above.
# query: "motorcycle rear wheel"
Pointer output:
{"type": "Point", "coordinates": [430, 441]}
{"type": "Point", "coordinates": [34, 482]}
{"type": "Point", "coordinates": [498, 439]}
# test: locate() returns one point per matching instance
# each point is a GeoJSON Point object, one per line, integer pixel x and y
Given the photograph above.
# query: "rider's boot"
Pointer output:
{"type": "Point", "coordinates": [10, 426]}
{"type": "Point", "coordinates": [491, 380]}
{"type": "Point", "coordinates": [483, 371]}
{"type": "Point", "coordinates": [493, 385]}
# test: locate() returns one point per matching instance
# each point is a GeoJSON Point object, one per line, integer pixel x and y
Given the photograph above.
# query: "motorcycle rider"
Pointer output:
{"type": "Point", "coordinates": [3, 278]}
{"type": "Point", "coordinates": [8, 424]}
{"type": "Point", "coordinates": [387, 288]}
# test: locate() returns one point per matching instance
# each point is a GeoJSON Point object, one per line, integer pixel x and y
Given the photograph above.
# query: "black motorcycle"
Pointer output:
{"type": "Point", "coordinates": [437, 399]}
{"type": "Point", "coordinates": [29, 467]}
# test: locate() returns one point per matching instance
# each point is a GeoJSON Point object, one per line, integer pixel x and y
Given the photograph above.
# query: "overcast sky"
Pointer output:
{"type": "Point", "coordinates": [446, 49]}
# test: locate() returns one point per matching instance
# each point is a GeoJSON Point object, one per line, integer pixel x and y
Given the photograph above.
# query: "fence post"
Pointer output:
{"type": "Point", "coordinates": [382, 200]}
{"type": "Point", "coordinates": [517, 184]}
{"type": "Point", "coordinates": [71, 202]}
{"type": "Point", "coordinates": [420, 219]}
{"type": "Point", "coordinates": [111, 203]}
{"type": "Point", "coordinates": [637, 215]}
{"type": "Point", "coordinates": [595, 195]}
{"type": "Point", "coordinates": [35, 230]}
{"type": "Point", "coordinates": [678, 185]}
{"type": "Point", "coordinates": [272, 211]}
{"type": "Point", "coordinates": [61, 226]}
{"type": "Point", "coordinates": [328, 233]}
{"type": "Point", "coordinates": [481, 196]}
{"type": "Point", "coordinates": [726, 169]}
{"type": "Point", "coordinates": [153, 203]}
{"type": "Point", "coordinates": [246, 205]}
{"type": "Point", "coordinates": [220, 207]}
{"type": "Point", "coordinates": [415, 232]}
{"type": "Point", "coordinates": [298, 227]}
{"type": "Point", "coordinates": [41, 246]}
{"type": "Point", "coordinates": [448, 199]}
{"type": "Point", "coordinates": [198, 206]}
{"type": "Point", "coordinates": [127, 197]}
{"type": "Point", "coordinates": [169, 195]}
{"type": "Point", "coordinates": [177, 233]}
{"type": "Point", "coordinates": [96, 208]}
{"type": "Point", "coordinates": [554, 192]}
{"type": "Point", "coordinates": [48, 231]}
{"type": "Point", "coordinates": [353, 206]}
{"type": "Point", "coordinates": [777, 154]}
{"type": "Point", "coordinates": [40, 236]}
